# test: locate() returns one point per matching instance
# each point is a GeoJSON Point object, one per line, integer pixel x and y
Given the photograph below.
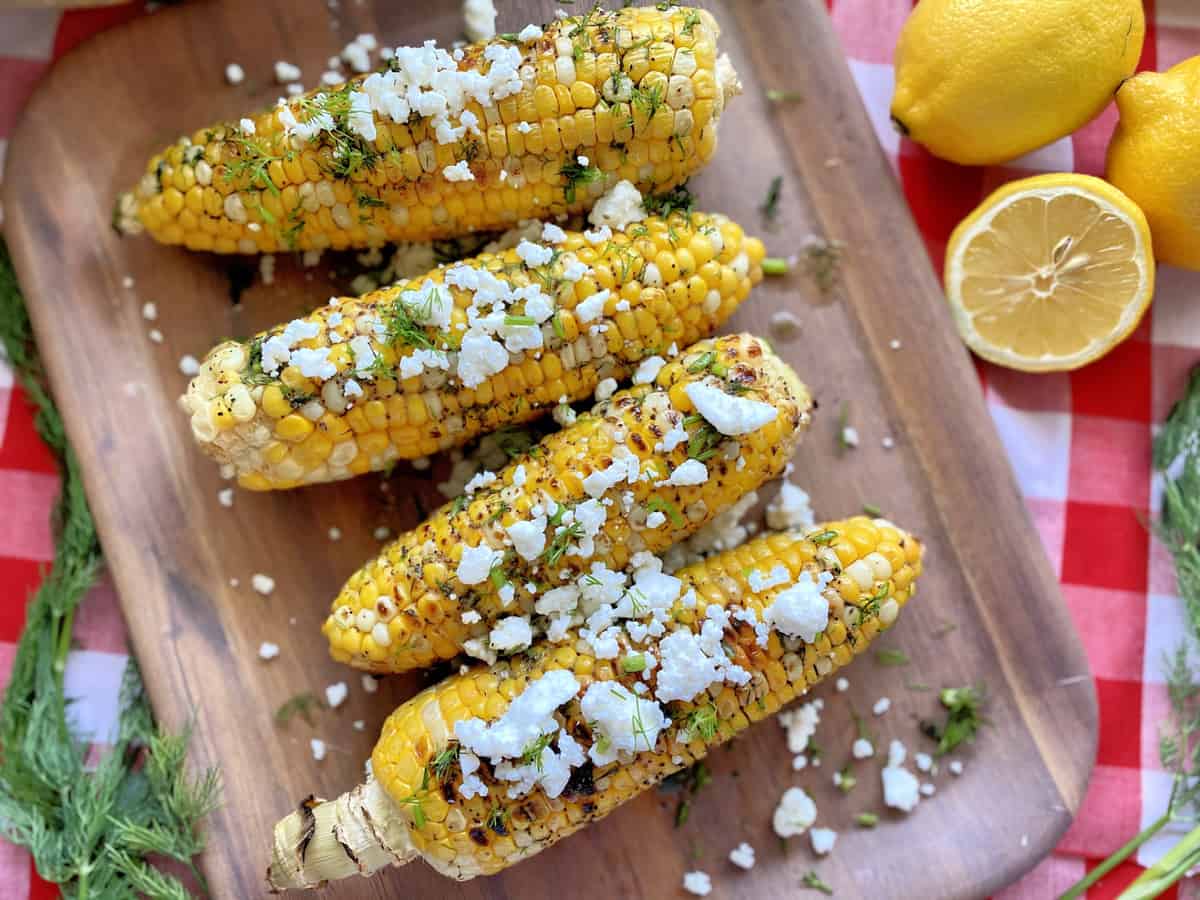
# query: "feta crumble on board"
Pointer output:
{"type": "Point", "coordinates": [189, 365]}
{"type": "Point", "coordinates": [801, 723]}
{"type": "Point", "coordinates": [901, 790]}
{"type": "Point", "coordinates": [225, 497]}
{"type": "Point", "coordinates": [882, 705]}
{"type": "Point", "coordinates": [742, 856]}
{"type": "Point", "coordinates": [267, 650]}
{"type": "Point", "coordinates": [794, 814]}
{"type": "Point", "coordinates": [697, 883]}
{"type": "Point", "coordinates": [923, 761]}
{"type": "Point", "coordinates": [370, 684]}
{"type": "Point", "coordinates": [728, 414]}
{"type": "Point", "coordinates": [479, 20]}
{"type": "Point", "coordinates": [318, 748]}
{"type": "Point", "coordinates": [149, 311]}
{"type": "Point", "coordinates": [955, 767]}
{"type": "Point", "coordinates": [335, 694]}
{"type": "Point", "coordinates": [784, 325]}
{"type": "Point", "coordinates": [850, 436]}
{"type": "Point", "coordinates": [823, 840]}
{"type": "Point", "coordinates": [842, 685]}
{"type": "Point", "coordinates": [263, 584]}
{"type": "Point", "coordinates": [285, 72]}
{"type": "Point", "coordinates": [618, 208]}
{"type": "Point", "coordinates": [862, 749]}
{"type": "Point", "coordinates": [235, 74]}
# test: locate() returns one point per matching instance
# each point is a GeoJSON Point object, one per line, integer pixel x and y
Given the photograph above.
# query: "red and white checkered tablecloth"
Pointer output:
{"type": "Point", "coordinates": [1079, 443]}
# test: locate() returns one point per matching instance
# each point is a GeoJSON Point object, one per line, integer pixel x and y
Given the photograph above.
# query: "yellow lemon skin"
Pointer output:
{"type": "Point", "coordinates": [980, 82]}
{"type": "Point", "coordinates": [1154, 157]}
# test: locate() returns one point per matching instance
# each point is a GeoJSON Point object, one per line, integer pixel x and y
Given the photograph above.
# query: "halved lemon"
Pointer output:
{"type": "Point", "coordinates": [1050, 272]}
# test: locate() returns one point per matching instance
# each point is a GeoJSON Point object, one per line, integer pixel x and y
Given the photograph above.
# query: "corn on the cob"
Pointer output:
{"type": "Point", "coordinates": [362, 382]}
{"type": "Point", "coordinates": [414, 804]}
{"type": "Point", "coordinates": [584, 496]}
{"type": "Point", "coordinates": [436, 146]}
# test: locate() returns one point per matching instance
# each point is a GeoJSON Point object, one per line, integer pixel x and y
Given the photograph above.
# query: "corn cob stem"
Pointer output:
{"type": "Point", "coordinates": [384, 382]}
{"type": "Point", "coordinates": [868, 569]}
{"type": "Point", "coordinates": [512, 130]}
{"type": "Point", "coordinates": [405, 609]}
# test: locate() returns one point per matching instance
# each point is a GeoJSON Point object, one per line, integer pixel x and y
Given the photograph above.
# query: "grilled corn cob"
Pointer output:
{"type": "Point", "coordinates": [584, 496]}
{"type": "Point", "coordinates": [365, 381]}
{"type": "Point", "coordinates": [436, 146]}
{"type": "Point", "coordinates": [414, 803]}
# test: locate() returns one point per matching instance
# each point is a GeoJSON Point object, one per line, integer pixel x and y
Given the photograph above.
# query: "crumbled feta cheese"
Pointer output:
{"type": "Point", "coordinates": [524, 127]}
{"type": "Point", "coordinates": [149, 311]}
{"type": "Point", "coordinates": [648, 370]}
{"type": "Point", "coordinates": [529, 538]}
{"type": "Point", "coordinates": [370, 683]}
{"type": "Point", "coordinates": [592, 308]}
{"type": "Point", "coordinates": [882, 705]}
{"type": "Point", "coordinates": [335, 694]}
{"type": "Point", "coordinates": [225, 497]}
{"type": "Point", "coordinates": [189, 365]}
{"type": "Point", "coordinates": [246, 126]}
{"type": "Point", "coordinates": [479, 20]}
{"type": "Point", "coordinates": [352, 388]}
{"type": "Point", "coordinates": [359, 725]}
{"type": "Point", "coordinates": [264, 584]}
{"type": "Point", "coordinates": [552, 234]}
{"type": "Point", "coordinates": [285, 72]}
{"type": "Point", "coordinates": [476, 563]}
{"type": "Point", "coordinates": [742, 856]}
{"type": "Point", "coordinates": [862, 749]}
{"type": "Point", "coordinates": [794, 814]}
{"type": "Point", "coordinates": [691, 662]}
{"type": "Point", "coordinates": [850, 436]}
{"type": "Point", "coordinates": [313, 362]}
{"type": "Point", "coordinates": [728, 414]}
{"type": "Point", "coordinates": [888, 443]}
{"type": "Point", "coordinates": [357, 57]}
{"type": "Point", "coordinates": [335, 533]}
{"type": "Point", "coordinates": [799, 762]}
{"type": "Point", "coordinates": [470, 617]}
{"type": "Point", "coordinates": [894, 343]}
{"type": "Point", "coordinates": [621, 721]}
{"type": "Point", "coordinates": [759, 582]}
{"type": "Point", "coordinates": [801, 724]}
{"type": "Point", "coordinates": [267, 650]}
{"type": "Point", "coordinates": [511, 634]}
{"type": "Point", "coordinates": [790, 510]}
{"type": "Point", "coordinates": [688, 473]}
{"type": "Point", "coordinates": [155, 335]}
{"type": "Point", "coordinates": [901, 790]}
{"type": "Point", "coordinates": [529, 33]}
{"type": "Point", "coordinates": [235, 74]}
{"type": "Point", "coordinates": [697, 882]}
{"type": "Point", "coordinates": [529, 716]}
{"type": "Point", "coordinates": [563, 415]}
{"type": "Point", "coordinates": [534, 255]}
{"type": "Point", "coordinates": [381, 533]}
{"type": "Point", "coordinates": [955, 767]}
{"type": "Point", "coordinates": [928, 790]}
{"type": "Point", "coordinates": [318, 748]}
{"type": "Point", "coordinates": [923, 761]}
{"type": "Point", "coordinates": [800, 611]}
{"type": "Point", "coordinates": [618, 208]}
{"type": "Point", "coordinates": [460, 171]}
{"type": "Point", "coordinates": [606, 388]}
{"type": "Point", "coordinates": [479, 358]}
{"type": "Point", "coordinates": [656, 519]}
{"type": "Point", "coordinates": [842, 685]}
{"type": "Point", "coordinates": [823, 840]}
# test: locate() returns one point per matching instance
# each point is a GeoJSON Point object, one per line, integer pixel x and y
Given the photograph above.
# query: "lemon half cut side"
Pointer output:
{"type": "Point", "coordinates": [1050, 272]}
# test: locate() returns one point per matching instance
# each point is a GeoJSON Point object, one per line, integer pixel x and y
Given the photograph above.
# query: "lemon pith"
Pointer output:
{"type": "Point", "coordinates": [1050, 273]}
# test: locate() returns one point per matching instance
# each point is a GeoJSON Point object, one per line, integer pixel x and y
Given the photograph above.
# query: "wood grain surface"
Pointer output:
{"type": "Point", "coordinates": [174, 549]}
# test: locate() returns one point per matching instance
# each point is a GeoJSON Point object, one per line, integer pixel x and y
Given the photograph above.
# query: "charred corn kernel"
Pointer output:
{"type": "Point", "coordinates": [436, 409]}
{"type": "Point", "coordinates": [414, 800]}
{"type": "Point", "coordinates": [625, 433]}
{"type": "Point", "coordinates": [291, 184]}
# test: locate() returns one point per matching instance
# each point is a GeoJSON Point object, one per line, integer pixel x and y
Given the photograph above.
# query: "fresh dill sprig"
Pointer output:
{"type": "Point", "coordinates": [575, 174]}
{"type": "Point", "coordinates": [690, 781]}
{"type": "Point", "coordinates": [812, 880]}
{"type": "Point", "coordinates": [1177, 458]}
{"type": "Point", "coordinates": [703, 722]}
{"type": "Point", "coordinates": [443, 761]}
{"type": "Point", "coordinates": [89, 829]}
{"type": "Point", "coordinates": [678, 199]}
{"type": "Point", "coordinates": [532, 754]}
{"type": "Point", "coordinates": [891, 657]}
{"type": "Point", "coordinates": [770, 207]}
{"type": "Point", "coordinates": [301, 705]}
{"type": "Point", "coordinates": [964, 717]}
{"type": "Point", "coordinates": [774, 95]}
{"type": "Point", "coordinates": [659, 504]}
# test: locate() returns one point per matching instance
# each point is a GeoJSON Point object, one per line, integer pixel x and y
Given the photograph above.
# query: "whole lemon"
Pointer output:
{"type": "Point", "coordinates": [1154, 157]}
{"type": "Point", "coordinates": [983, 81]}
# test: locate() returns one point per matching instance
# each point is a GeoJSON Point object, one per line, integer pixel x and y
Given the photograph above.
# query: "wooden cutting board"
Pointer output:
{"type": "Point", "coordinates": [174, 549]}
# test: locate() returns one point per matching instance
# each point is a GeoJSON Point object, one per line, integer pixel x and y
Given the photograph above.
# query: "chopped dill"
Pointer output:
{"type": "Point", "coordinates": [532, 754]}
{"type": "Point", "coordinates": [891, 657]}
{"type": "Point", "coordinates": [964, 718]}
{"type": "Point", "coordinates": [658, 504]}
{"type": "Point", "coordinates": [300, 705]}
{"type": "Point", "coordinates": [770, 207]}
{"type": "Point", "coordinates": [812, 880]}
{"type": "Point", "coordinates": [443, 761]}
{"type": "Point", "coordinates": [575, 175]}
